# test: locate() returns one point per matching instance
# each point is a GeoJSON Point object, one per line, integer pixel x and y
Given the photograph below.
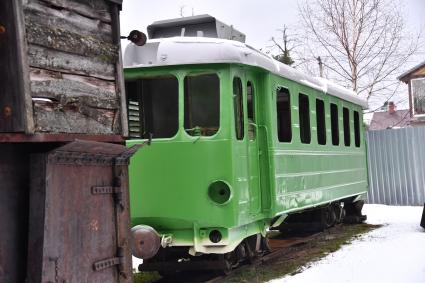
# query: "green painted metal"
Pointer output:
{"type": "Point", "coordinates": [169, 180]}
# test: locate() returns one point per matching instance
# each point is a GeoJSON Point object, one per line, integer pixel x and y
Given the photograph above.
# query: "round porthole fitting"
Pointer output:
{"type": "Point", "coordinates": [215, 236]}
{"type": "Point", "coordinates": [219, 192]}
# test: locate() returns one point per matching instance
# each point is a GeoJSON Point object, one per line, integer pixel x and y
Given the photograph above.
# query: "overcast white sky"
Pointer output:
{"type": "Point", "coordinates": [259, 20]}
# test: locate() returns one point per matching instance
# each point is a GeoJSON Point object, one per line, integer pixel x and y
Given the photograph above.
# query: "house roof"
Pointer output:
{"type": "Point", "coordinates": [405, 76]}
{"type": "Point", "coordinates": [385, 120]}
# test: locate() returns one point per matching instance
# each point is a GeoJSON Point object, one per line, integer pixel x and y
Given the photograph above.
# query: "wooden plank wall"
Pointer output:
{"type": "Point", "coordinates": [15, 101]}
{"type": "Point", "coordinates": [73, 59]}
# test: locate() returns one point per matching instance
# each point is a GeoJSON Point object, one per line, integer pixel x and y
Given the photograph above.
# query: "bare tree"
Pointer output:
{"type": "Point", "coordinates": [363, 43]}
{"type": "Point", "coordinates": [283, 47]}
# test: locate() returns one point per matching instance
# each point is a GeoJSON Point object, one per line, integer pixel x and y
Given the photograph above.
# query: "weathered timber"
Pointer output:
{"type": "Point", "coordinates": [53, 60]}
{"type": "Point", "coordinates": [67, 52]}
{"type": "Point", "coordinates": [56, 118]}
{"type": "Point", "coordinates": [94, 9]}
{"type": "Point", "coordinates": [73, 89]}
{"type": "Point", "coordinates": [65, 103]}
{"type": "Point", "coordinates": [15, 101]}
{"type": "Point", "coordinates": [120, 86]}
{"type": "Point", "coordinates": [71, 42]}
{"type": "Point", "coordinates": [37, 12]}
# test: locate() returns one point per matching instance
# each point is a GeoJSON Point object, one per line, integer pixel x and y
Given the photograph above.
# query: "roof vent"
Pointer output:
{"type": "Point", "coordinates": [195, 26]}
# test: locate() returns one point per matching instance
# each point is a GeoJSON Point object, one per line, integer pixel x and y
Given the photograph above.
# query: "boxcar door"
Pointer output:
{"type": "Point", "coordinates": [253, 149]}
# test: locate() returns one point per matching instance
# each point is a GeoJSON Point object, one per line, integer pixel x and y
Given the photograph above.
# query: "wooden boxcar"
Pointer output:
{"type": "Point", "coordinates": [240, 141]}
{"type": "Point", "coordinates": [63, 203]}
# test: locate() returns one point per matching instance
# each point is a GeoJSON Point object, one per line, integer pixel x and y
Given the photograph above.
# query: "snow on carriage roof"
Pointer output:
{"type": "Point", "coordinates": [202, 50]}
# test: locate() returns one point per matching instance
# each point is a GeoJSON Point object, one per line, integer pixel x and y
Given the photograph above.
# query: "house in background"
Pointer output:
{"type": "Point", "coordinates": [415, 115]}
{"type": "Point", "coordinates": [415, 79]}
{"type": "Point", "coordinates": [390, 119]}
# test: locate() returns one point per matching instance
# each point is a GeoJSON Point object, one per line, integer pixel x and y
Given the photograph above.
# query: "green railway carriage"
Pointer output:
{"type": "Point", "coordinates": [239, 142]}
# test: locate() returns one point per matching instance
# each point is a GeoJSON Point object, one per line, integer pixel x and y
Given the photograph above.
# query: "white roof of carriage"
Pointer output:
{"type": "Point", "coordinates": [201, 50]}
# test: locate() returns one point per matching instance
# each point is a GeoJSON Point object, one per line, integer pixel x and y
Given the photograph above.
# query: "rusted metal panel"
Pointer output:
{"type": "Point", "coordinates": [79, 211]}
{"type": "Point", "coordinates": [49, 138]}
{"type": "Point", "coordinates": [13, 213]}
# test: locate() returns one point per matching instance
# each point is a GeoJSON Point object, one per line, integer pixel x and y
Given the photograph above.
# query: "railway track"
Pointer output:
{"type": "Point", "coordinates": [283, 248]}
{"type": "Point", "coordinates": [280, 248]}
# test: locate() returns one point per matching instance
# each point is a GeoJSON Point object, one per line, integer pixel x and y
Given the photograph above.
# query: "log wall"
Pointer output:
{"type": "Point", "coordinates": [74, 66]}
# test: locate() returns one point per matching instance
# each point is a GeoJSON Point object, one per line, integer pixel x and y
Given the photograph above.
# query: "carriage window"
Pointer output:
{"type": "Point", "coordinates": [284, 125]}
{"type": "Point", "coordinates": [356, 128]}
{"type": "Point", "coordinates": [153, 107]}
{"type": "Point", "coordinates": [320, 118]}
{"type": "Point", "coordinates": [238, 108]}
{"type": "Point", "coordinates": [202, 104]}
{"type": "Point", "coordinates": [334, 124]}
{"type": "Point", "coordinates": [346, 121]}
{"type": "Point", "coordinates": [250, 110]}
{"type": "Point", "coordinates": [304, 114]}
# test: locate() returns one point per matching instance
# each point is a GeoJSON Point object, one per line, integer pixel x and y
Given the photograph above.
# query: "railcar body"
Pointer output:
{"type": "Point", "coordinates": [240, 141]}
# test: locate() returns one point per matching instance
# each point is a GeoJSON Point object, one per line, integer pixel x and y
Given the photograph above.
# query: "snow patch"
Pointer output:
{"type": "Point", "coordinates": [394, 253]}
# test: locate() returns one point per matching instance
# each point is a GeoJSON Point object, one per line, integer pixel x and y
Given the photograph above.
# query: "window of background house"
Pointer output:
{"type": "Point", "coordinates": [153, 107]}
{"type": "Point", "coordinates": [202, 104]}
{"type": "Point", "coordinates": [334, 124]}
{"type": "Point", "coordinates": [418, 96]}
{"type": "Point", "coordinates": [356, 129]}
{"type": "Point", "coordinates": [238, 108]}
{"type": "Point", "coordinates": [304, 114]}
{"type": "Point", "coordinates": [321, 124]}
{"type": "Point", "coordinates": [284, 125]}
{"type": "Point", "coordinates": [346, 122]}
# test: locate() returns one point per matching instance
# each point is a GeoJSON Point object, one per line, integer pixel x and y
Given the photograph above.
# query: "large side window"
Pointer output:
{"type": "Point", "coordinates": [153, 107]}
{"type": "Point", "coordinates": [346, 122]}
{"type": "Point", "coordinates": [334, 124]}
{"type": "Point", "coordinates": [356, 129]}
{"type": "Point", "coordinates": [238, 108]}
{"type": "Point", "coordinates": [320, 118]}
{"type": "Point", "coordinates": [304, 114]}
{"type": "Point", "coordinates": [284, 125]}
{"type": "Point", "coordinates": [202, 104]}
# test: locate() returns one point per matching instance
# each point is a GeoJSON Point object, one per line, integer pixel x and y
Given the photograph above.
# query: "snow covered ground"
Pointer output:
{"type": "Point", "coordinates": [394, 253]}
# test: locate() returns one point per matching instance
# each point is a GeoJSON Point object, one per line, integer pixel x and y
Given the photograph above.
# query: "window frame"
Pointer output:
{"type": "Point", "coordinates": [301, 120]}
{"type": "Point", "coordinates": [346, 126]}
{"type": "Point", "coordinates": [278, 122]}
{"type": "Point", "coordinates": [334, 130]}
{"type": "Point", "coordinates": [183, 100]}
{"type": "Point", "coordinates": [413, 97]}
{"type": "Point", "coordinates": [238, 117]}
{"type": "Point", "coordinates": [357, 132]}
{"type": "Point", "coordinates": [323, 122]}
{"type": "Point", "coordinates": [142, 112]}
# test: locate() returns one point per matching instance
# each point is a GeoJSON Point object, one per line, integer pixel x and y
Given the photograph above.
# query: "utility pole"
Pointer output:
{"type": "Point", "coordinates": [319, 60]}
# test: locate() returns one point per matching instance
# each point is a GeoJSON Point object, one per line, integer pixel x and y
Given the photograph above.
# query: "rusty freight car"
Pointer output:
{"type": "Point", "coordinates": [63, 169]}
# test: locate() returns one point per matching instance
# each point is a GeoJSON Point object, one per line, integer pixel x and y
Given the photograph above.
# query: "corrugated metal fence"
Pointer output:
{"type": "Point", "coordinates": [396, 160]}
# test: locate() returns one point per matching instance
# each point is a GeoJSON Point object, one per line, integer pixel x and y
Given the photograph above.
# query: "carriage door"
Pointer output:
{"type": "Point", "coordinates": [253, 151]}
